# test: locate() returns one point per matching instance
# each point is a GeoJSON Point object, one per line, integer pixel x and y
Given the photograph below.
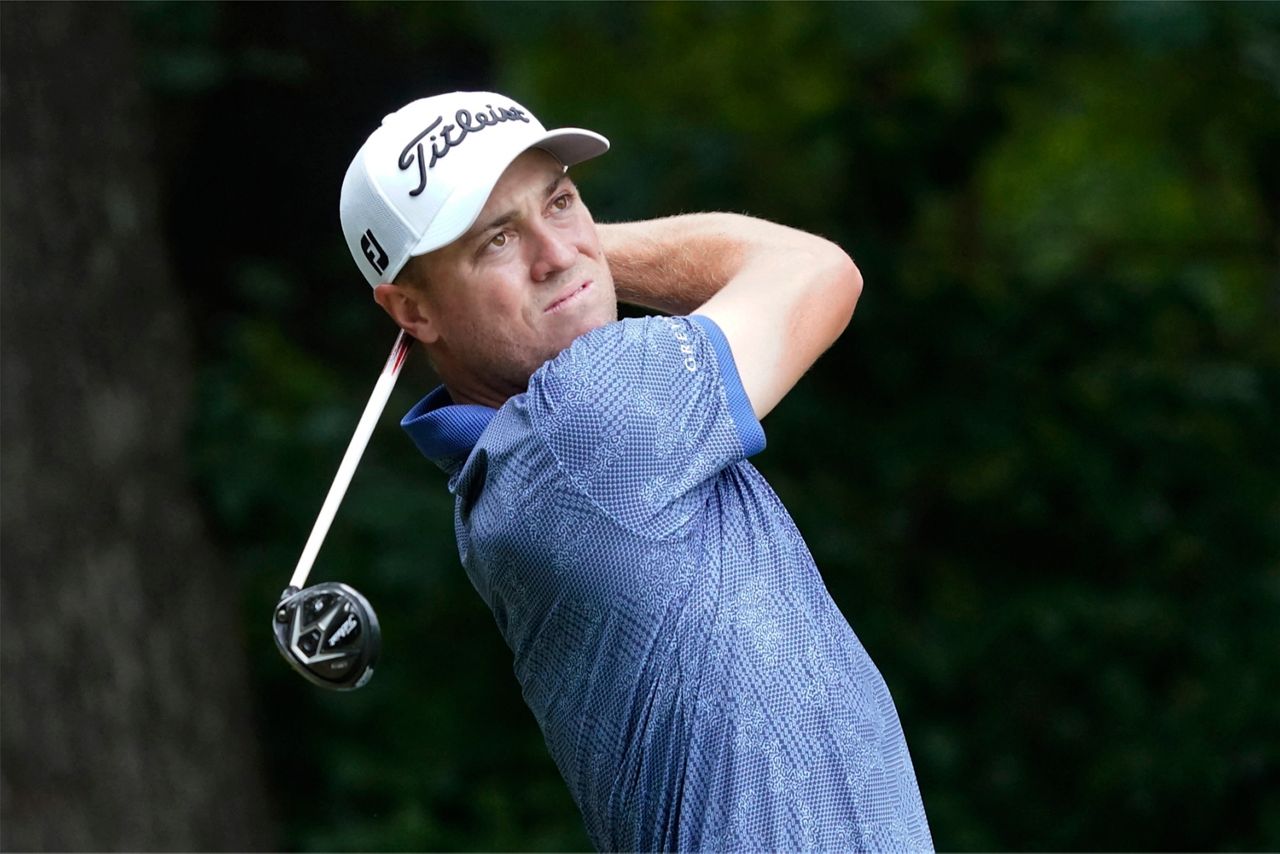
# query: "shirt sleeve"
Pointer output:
{"type": "Point", "coordinates": [641, 415]}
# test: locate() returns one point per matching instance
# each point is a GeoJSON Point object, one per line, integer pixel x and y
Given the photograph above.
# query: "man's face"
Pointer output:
{"type": "Point", "coordinates": [528, 278]}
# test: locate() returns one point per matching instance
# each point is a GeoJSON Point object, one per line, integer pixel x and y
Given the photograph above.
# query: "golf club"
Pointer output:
{"type": "Point", "coordinates": [328, 632]}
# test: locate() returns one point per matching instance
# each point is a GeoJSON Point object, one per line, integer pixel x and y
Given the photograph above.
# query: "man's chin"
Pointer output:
{"type": "Point", "coordinates": [598, 315]}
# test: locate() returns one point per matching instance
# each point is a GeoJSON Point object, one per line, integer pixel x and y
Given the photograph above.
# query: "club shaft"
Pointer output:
{"type": "Point", "coordinates": [351, 459]}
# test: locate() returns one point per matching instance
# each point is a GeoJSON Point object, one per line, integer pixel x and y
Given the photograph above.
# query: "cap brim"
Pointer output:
{"type": "Point", "coordinates": [573, 145]}
{"type": "Point", "coordinates": [568, 145]}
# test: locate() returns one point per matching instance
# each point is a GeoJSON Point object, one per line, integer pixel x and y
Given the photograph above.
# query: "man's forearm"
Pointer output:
{"type": "Point", "coordinates": [779, 295]}
{"type": "Point", "coordinates": [677, 263]}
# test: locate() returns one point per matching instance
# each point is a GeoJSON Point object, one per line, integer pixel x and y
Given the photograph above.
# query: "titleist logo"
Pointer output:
{"type": "Point", "coordinates": [451, 136]}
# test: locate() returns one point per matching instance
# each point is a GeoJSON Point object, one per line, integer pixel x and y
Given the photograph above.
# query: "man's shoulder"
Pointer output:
{"type": "Point", "coordinates": [622, 356]}
{"type": "Point", "coordinates": [626, 332]}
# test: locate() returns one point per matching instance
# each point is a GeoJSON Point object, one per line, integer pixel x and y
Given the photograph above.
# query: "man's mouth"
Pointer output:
{"type": "Point", "coordinates": [567, 298]}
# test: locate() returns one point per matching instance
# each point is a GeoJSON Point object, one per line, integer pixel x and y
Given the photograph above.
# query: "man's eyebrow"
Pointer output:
{"type": "Point", "coordinates": [497, 221]}
{"type": "Point", "coordinates": [505, 218]}
{"type": "Point", "coordinates": [555, 182]}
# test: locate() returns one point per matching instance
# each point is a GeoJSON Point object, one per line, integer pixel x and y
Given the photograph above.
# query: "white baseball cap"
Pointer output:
{"type": "Point", "coordinates": [421, 179]}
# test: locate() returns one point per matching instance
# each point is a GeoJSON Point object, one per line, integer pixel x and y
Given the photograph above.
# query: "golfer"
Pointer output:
{"type": "Point", "coordinates": [695, 683]}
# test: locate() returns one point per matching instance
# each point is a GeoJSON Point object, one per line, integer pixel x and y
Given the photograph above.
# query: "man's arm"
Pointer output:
{"type": "Point", "coordinates": [780, 296]}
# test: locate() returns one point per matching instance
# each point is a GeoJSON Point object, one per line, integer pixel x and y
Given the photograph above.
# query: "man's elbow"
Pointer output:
{"type": "Point", "coordinates": [845, 286]}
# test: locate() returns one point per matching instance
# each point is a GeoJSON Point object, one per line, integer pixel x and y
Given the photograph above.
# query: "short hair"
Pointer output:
{"type": "Point", "coordinates": [410, 275]}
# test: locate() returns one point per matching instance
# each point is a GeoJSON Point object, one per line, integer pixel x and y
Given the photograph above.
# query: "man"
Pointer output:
{"type": "Point", "coordinates": [696, 685]}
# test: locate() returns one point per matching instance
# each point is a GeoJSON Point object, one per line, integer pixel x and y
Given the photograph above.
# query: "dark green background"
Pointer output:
{"type": "Point", "coordinates": [1039, 473]}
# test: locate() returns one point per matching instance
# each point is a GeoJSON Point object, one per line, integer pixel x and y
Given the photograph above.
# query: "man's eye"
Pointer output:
{"type": "Point", "coordinates": [562, 202]}
{"type": "Point", "coordinates": [498, 241]}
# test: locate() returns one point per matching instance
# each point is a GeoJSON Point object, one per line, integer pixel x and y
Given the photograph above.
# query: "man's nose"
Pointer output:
{"type": "Point", "coordinates": [553, 252]}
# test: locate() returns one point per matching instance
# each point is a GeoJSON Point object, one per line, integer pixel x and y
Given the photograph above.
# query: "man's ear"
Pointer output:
{"type": "Point", "coordinates": [408, 308]}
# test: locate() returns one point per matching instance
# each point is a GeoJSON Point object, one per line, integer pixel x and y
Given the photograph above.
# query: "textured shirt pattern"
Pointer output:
{"type": "Point", "coordinates": [695, 683]}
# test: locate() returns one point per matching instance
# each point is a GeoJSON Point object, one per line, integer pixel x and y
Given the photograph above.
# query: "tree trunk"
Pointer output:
{"type": "Point", "coordinates": [126, 721]}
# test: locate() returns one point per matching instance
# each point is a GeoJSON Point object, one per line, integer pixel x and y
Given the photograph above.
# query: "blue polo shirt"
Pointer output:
{"type": "Point", "coordinates": [696, 685]}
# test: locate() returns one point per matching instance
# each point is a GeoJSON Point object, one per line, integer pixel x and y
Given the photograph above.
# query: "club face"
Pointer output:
{"type": "Point", "coordinates": [328, 633]}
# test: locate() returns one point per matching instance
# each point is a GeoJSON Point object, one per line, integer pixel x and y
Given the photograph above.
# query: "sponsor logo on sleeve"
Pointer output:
{"type": "Point", "coordinates": [682, 338]}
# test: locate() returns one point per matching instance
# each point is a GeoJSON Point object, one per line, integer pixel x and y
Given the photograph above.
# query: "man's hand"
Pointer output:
{"type": "Point", "coordinates": [780, 296]}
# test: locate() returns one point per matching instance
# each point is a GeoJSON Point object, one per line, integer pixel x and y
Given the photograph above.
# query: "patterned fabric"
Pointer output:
{"type": "Point", "coordinates": [695, 683]}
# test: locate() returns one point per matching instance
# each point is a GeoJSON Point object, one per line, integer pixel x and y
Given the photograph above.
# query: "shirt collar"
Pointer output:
{"type": "Point", "coordinates": [444, 431]}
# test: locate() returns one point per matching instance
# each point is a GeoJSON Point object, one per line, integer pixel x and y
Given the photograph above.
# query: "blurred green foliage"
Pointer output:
{"type": "Point", "coordinates": [1040, 473]}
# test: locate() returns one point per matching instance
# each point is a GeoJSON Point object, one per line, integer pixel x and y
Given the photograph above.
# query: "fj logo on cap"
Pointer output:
{"type": "Point", "coordinates": [373, 250]}
{"type": "Point", "coordinates": [444, 140]}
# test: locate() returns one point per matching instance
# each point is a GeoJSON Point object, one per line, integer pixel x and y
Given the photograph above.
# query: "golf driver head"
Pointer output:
{"type": "Point", "coordinates": [329, 633]}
